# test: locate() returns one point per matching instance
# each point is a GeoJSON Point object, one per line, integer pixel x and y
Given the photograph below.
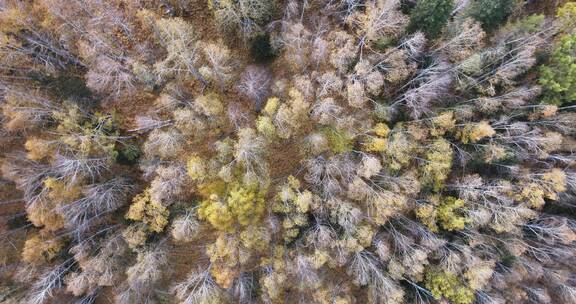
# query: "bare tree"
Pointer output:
{"type": "Point", "coordinates": [24, 109]}
{"type": "Point", "coordinates": [186, 228]}
{"type": "Point", "coordinates": [297, 40]}
{"type": "Point", "coordinates": [165, 144]}
{"type": "Point", "coordinates": [74, 167]}
{"type": "Point", "coordinates": [109, 76]}
{"type": "Point", "coordinates": [28, 175]}
{"type": "Point", "coordinates": [198, 287]}
{"type": "Point", "coordinates": [255, 84]}
{"type": "Point", "coordinates": [249, 151]}
{"type": "Point", "coordinates": [552, 229]}
{"type": "Point", "coordinates": [243, 288]}
{"type": "Point", "coordinates": [44, 288]}
{"type": "Point", "coordinates": [220, 67]}
{"type": "Point", "coordinates": [147, 123]}
{"type": "Point", "coordinates": [466, 36]}
{"type": "Point", "coordinates": [98, 199]}
{"type": "Point", "coordinates": [329, 175]}
{"type": "Point", "coordinates": [430, 84]}
{"type": "Point", "coordinates": [346, 7]}
{"type": "Point", "coordinates": [365, 269]}
{"type": "Point", "coordinates": [168, 185]}
{"type": "Point", "coordinates": [148, 270]}
{"type": "Point", "coordinates": [380, 19]}
{"type": "Point", "coordinates": [179, 39]}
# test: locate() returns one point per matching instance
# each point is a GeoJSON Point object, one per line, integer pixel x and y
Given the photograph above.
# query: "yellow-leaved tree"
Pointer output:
{"type": "Point", "coordinates": [241, 206]}
{"type": "Point", "coordinates": [151, 213]}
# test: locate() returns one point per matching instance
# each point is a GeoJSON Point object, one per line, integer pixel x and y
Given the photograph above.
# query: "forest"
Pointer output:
{"type": "Point", "coordinates": [287, 151]}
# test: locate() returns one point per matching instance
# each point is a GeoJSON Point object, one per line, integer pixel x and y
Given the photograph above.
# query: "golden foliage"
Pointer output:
{"type": "Point", "coordinates": [381, 129]}
{"type": "Point", "coordinates": [443, 123]}
{"type": "Point", "coordinates": [38, 149]}
{"type": "Point", "coordinates": [446, 285]}
{"type": "Point", "coordinates": [473, 133]}
{"type": "Point", "coordinates": [153, 214]}
{"type": "Point", "coordinates": [437, 165]}
{"type": "Point", "coordinates": [197, 168]}
{"type": "Point", "coordinates": [43, 214]}
{"type": "Point", "coordinates": [375, 144]}
{"type": "Point", "coordinates": [226, 258]}
{"type": "Point", "coordinates": [449, 213]}
{"type": "Point", "coordinates": [294, 204]}
{"type": "Point", "coordinates": [241, 206]}
{"type": "Point", "coordinates": [60, 192]}
{"type": "Point", "coordinates": [39, 250]}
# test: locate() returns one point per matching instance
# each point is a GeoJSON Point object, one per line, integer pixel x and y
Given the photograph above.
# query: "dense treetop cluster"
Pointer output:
{"type": "Point", "coordinates": [287, 151]}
